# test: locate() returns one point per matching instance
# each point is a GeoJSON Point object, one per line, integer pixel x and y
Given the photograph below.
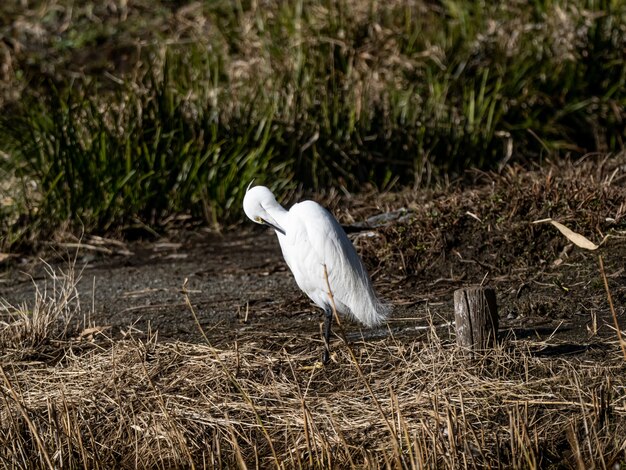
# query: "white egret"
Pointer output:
{"type": "Point", "coordinates": [311, 238]}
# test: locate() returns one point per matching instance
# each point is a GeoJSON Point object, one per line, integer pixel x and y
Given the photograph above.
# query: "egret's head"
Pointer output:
{"type": "Point", "coordinates": [258, 203]}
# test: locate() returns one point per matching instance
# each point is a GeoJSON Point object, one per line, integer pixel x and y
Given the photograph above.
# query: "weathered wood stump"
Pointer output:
{"type": "Point", "coordinates": [476, 318]}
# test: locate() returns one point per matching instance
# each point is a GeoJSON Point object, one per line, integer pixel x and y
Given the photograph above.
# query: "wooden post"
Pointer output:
{"type": "Point", "coordinates": [476, 318]}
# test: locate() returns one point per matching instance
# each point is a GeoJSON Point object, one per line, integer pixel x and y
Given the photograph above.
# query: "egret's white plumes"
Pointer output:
{"type": "Point", "coordinates": [310, 238]}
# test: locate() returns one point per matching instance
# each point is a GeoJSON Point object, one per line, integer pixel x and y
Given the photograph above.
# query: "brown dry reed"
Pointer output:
{"type": "Point", "coordinates": [72, 400]}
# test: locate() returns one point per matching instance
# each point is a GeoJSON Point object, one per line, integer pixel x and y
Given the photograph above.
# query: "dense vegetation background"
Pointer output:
{"type": "Point", "coordinates": [124, 114]}
{"type": "Point", "coordinates": [131, 117]}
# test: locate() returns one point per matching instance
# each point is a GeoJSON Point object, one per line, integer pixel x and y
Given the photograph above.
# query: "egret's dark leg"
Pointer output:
{"type": "Point", "coordinates": [328, 320]}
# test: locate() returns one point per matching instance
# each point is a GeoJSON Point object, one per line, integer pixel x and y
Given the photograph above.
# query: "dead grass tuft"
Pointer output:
{"type": "Point", "coordinates": [26, 329]}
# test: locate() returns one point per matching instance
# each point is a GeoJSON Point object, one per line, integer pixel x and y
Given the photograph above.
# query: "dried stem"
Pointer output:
{"type": "Point", "coordinates": [610, 299]}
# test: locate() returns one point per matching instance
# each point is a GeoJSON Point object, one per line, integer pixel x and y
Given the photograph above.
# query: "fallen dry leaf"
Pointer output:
{"type": "Point", "coordinates": [572, 236]}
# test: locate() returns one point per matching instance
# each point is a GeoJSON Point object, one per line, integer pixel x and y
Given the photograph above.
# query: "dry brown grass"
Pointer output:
{"type": "Point", "coordinates": [26, 329]}
{"type": "Point", "coordinates": [142, 403]}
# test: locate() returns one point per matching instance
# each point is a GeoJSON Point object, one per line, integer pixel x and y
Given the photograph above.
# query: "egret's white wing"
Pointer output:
{"type": "Point", "coordinates": [329, 245]}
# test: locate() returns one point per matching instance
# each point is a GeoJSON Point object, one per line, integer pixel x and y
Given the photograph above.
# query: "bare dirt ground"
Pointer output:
{"type": "Point", "coordinates": [239, 286]}
{"type": "Point", "coordinates": [241, 290]}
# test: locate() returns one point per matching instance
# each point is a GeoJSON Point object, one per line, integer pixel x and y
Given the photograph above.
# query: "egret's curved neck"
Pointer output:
{"type": "Point", "coordinates": [277, 212]}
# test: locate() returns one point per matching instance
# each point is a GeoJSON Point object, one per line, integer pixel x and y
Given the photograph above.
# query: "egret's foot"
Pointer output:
{"type": "Point", "coordinates": [326, 357]}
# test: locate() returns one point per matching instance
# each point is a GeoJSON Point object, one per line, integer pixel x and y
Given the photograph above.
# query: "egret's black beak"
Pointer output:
{"type": "Point", "coordinates": [275, 227]}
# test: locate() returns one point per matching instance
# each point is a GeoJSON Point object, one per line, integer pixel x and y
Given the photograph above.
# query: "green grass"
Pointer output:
{"type": "Point", "coordinates": [134, 114]}
{"type": "Point", "coordinates": [138, 159]}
